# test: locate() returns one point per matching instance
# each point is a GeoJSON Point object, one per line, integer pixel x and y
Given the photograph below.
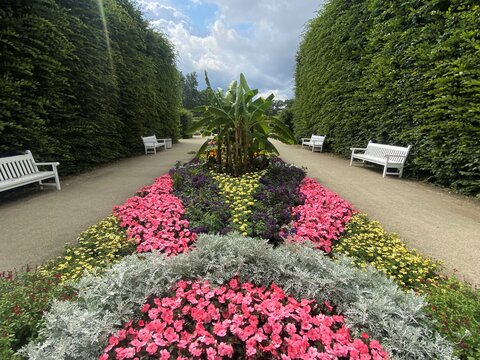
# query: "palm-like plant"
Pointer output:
{"type": "Point", "coordinates": [237, 117]}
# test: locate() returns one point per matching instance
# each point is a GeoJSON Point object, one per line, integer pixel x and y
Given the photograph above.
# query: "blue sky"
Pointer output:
{"type": "Point", "coordinates": [226, 37]}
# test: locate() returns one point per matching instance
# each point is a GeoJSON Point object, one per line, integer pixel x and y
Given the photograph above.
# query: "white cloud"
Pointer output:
{"type": "Point", "coordinates": [257, 37]}
{"type": "Point", "coordinates": [159, 9]}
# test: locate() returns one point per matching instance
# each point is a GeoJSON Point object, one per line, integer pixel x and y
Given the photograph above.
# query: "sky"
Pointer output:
{"type": "Point", "coordinates": [227, 37]}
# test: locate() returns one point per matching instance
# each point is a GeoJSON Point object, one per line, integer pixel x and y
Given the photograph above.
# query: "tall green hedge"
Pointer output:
{"type": "Point", "coordinates": [69, 95]}
{"type": "Point", "coordinates": [396, 72]}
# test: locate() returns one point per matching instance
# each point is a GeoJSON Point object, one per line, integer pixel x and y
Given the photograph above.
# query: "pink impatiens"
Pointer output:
{"type": "Point", "coordinates": [154, 219]}
{"type": "Point", "coordinates": [321, 219]}
{"type": "Point", "coordinates": [235, 321]}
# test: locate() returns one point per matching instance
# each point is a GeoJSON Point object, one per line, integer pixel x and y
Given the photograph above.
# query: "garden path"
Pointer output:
{"type": "Point", "coordinates": [442, 225]}
{"type": "Point", "coordinates": [36, 225]}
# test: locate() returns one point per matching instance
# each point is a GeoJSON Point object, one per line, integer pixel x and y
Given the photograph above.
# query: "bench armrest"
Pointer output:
{"type": "Point", "coordinates": [303, 139]}
{"type": "Point", "coordinates": [54, 164]}
{"type": "Point", "coordinates": [357, 149]}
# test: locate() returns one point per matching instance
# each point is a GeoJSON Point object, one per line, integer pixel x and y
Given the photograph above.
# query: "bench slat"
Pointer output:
{"type": "Point", "coordinates": [20, 170]}
{"type": "Point", "coordinates": [8, 171]}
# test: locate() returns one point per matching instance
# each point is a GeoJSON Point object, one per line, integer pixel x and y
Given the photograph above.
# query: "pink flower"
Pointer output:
{"type": "Point", "coordinates": [225, 350]}
{"type": "Point", "coordinates": [164, 355]}
{"type": "Point", "coordinates": [154, 220]}
{"type": "Point", "coordinates": [321, 219]}
{"type": "Point", "coordinates": [152, 348]}
{"type": "Point", "coordinates": [263, 322]}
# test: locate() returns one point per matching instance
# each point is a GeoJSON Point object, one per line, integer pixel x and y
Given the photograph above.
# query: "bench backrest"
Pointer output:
{"type": "Point", "coordinates": [16, 166]}
{"type": "Point", "coordinates": [380, 150]}
{"type": "Point", "coordinates": [148, 140]}
{"type": "Point", "coordinates": [152, 140]}
{"type": "Point", "coordinates": [317, 138]}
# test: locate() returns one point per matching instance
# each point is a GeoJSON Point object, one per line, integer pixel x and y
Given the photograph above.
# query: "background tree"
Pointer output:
{"type": "Point", "coordinates": [190, 94]}
{"type": "Point", "coordinates": [278, 106]}
{"type": "Point", "coordinates": [286, 115]}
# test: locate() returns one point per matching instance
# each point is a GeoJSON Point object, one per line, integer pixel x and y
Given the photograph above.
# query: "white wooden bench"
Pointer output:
{"type": "Point", "coordinates": [315, 142]}
{"type": "Point", "coordinates": [21, 170]}
{"type": "Point", "coordinates": [151, 144]}
{"type": "Point", "coordinates": [391, 157]}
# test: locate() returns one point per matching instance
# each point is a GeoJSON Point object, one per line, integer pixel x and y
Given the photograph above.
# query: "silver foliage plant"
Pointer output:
{"type": "Point", "coordinates": [370, 302]}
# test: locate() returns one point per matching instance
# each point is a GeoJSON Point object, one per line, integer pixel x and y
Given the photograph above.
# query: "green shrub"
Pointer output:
{"type": "Point", "coordinates": [23, 300]}
{"type": "Point", "coordinates": [369, 301]}
{"type": "Point", "coordinates": [397, 72]}
{"type": "Point", "coordinates": [456, 307]}
{"type": "Point", "coordinates": [69, 96]}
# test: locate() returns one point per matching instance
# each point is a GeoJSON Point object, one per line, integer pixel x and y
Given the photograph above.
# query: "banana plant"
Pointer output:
{"type": "Point", "coordinates": [237, 117]}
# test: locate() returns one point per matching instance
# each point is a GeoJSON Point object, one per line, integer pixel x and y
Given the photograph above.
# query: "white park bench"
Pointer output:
{"type": "Point", "coordinates": [21, 170]}
{"type": "Point", "coordinates": [315, 142]}
{"type": "Point", "coordinates": [151, 144]}
{"type": "Point", "coordinates": [391, 157]}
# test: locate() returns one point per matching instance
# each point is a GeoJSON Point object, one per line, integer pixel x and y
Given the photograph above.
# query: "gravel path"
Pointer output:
{"type": "Point", "coordinates": [35, 226]}
{"type": "Point", "coordinates": [442, 225]}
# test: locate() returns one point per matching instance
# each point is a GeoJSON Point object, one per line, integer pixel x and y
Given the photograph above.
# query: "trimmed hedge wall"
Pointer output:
{"type": "Point", "coordinates": [397, 72]}
{"type": "Point", "coordinates": [69, 95]}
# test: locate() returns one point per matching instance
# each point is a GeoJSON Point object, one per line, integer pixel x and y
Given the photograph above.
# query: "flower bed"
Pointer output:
{"type": "Point", "coordinates": [369, 244]}
{"type": "Point", "coordinates": [238, 194]}
{"type": "Point", "coordinates": [102, 245]}
{"type": "Point", "coordinates": [322, 217]}
{"type": "Point", "coordinates": [369, 302]}
{"type": "Point", "coordinates": [237, 320]}
{"type": "Point", "coordinates": [206, 211]}
{"type": "Point", "coordinates": [154, 221]}
{"type": "Point", "coordinates": [277, 193]}
{"type": "Point", "coordinates": [277, 204]}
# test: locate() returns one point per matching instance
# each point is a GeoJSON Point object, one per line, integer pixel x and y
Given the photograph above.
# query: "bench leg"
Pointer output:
{"type": "Point", "coordinates": [351, 159]}
{"type": "Point", "coordinates": [57, 180]}
{"type": "Point", "coordinates": [400, 172]}
{"type": "Point", "coordinates": [385, 171]}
